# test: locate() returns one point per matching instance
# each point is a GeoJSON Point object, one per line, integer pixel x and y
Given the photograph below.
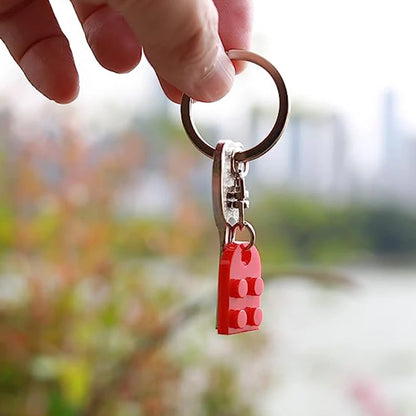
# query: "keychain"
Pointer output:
{"type": "Point", "coordinates": [240, 284]}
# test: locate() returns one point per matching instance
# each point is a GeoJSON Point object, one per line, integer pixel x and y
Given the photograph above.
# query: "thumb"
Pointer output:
{"type": "Point", "coordinates": [180, 39]}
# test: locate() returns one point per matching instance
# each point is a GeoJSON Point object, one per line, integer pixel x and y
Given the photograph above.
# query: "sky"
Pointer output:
{"type": "Point", "coordinates": [341, 52]}
{"type": "Point", "coordinates": [334, 56]}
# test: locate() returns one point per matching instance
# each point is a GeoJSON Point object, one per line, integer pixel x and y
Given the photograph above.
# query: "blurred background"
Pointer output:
{"type": "Point", "coordinates": [109, 252]}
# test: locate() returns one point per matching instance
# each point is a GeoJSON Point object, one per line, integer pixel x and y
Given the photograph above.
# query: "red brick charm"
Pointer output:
{"type": "Point", "coordinates": [239, 289]}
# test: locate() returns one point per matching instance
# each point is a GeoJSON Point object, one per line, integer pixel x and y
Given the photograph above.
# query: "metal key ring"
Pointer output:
{"type": "Point", "coordinates": [250, 228]}
{"type": "Point", "coordinates": [277, 129]}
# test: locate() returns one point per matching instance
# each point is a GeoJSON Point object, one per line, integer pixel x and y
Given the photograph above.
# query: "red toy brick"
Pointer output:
{"type": "Point", "coordinates": [239, 288]}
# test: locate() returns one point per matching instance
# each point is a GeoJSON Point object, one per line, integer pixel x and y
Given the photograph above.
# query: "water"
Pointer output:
{"type": "Point", "coordinates": [343, 351]}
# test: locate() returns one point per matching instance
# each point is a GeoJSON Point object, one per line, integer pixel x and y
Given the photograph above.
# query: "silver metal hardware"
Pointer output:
{"type": "Point", "coordinates": [277, 129]}
{"type": "Point", "coordinates": [250, 228]}
{"type": "Point", "coordinates": [226, 213]}
{"type": "Point", "coordinates": [229, 193]}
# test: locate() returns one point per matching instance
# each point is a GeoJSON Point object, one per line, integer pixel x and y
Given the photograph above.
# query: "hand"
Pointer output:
{"type": "Point", "coordinates": [183, 40]}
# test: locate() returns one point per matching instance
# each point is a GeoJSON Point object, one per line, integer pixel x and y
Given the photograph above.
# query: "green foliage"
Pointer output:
{"type": "Point", "coordinates": [298, 229]}
{"type": "Point", "coordinates": [390, 232]}
{"type": "Point", "coordinates": [224, 397]}
{"type": "Point", "coordinates": [58, 406]}
{"type": "Point", "coordinates": [89, 302]}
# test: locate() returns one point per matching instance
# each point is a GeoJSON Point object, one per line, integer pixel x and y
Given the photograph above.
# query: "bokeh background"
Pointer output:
{"type": "Point", "coordinates": [108, 249]}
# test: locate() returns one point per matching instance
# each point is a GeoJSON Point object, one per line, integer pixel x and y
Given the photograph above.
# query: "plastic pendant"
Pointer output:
{"type": "Point", "coordinates": [239, 289]}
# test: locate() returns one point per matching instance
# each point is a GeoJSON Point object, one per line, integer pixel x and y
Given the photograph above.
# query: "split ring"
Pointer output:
{"type": "Point", "coordinates": [271, 139]}
{"type": "Point", "coordinates": [250, 228]}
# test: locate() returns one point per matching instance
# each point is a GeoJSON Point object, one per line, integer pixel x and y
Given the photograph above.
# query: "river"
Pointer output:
{"type": "Point", "coordinates": [342, 351]}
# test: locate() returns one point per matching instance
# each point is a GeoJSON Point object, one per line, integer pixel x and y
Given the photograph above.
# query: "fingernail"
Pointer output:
{"type": "Point", "coordinates": [217, 81]}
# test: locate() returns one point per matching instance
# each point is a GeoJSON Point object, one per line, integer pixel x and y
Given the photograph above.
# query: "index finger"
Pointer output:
{"type": "Point", "coordinates": [32, 34]}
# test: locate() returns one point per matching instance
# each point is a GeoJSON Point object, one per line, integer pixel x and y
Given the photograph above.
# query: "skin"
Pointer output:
{"type": "Point", "coordinates": [184, 41]}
